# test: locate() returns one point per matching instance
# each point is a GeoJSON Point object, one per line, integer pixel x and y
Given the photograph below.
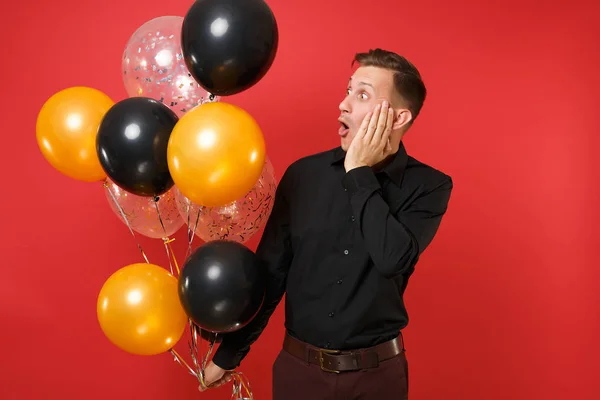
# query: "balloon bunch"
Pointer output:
{"type": "Point", "coordinates": [171, 154]}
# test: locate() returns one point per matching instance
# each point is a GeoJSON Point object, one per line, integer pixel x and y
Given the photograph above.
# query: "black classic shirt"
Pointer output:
{"type": "Point", "coordinates": [342, 247]}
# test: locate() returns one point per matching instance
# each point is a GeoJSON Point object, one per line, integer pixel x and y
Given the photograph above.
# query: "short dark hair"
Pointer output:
{"type": "Point", "coordinates": [407, 79]}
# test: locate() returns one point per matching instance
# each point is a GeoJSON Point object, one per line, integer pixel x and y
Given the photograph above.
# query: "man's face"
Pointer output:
{"type": "Point", "coordinates": [368, 87]}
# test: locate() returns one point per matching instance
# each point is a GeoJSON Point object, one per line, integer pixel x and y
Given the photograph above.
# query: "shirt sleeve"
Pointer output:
{"type": "Point", "coordinates": [395, 240]}
{"type": "Point", "coordinates": [275, 253]}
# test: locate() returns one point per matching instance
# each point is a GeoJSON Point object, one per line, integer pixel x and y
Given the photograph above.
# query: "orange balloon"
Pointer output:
{"type": "Point", "coordinates": [66, 132]}
{"type": "Point", "coordinates": [216, 154]}
{"type": "Point", "coordinates": [139, 309]}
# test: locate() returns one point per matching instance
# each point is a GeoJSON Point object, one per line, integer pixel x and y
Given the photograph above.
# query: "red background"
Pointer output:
{"type": "Point", "coordinates": [504, 305]}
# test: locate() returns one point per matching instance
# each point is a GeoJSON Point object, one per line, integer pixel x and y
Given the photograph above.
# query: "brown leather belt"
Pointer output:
{"type": "Point", "coordinates": [343, 360]}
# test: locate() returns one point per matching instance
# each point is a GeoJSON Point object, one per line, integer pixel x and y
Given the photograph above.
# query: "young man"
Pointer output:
{"type": "Point", "coordinates": [346, 231]}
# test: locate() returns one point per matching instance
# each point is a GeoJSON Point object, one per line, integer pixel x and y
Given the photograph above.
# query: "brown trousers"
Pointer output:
{"type": "Point", "coordinates": [295, 379]}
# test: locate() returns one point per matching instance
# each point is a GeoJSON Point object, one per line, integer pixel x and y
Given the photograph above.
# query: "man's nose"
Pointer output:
{"type": "Point", "coordinates": [344, 106]}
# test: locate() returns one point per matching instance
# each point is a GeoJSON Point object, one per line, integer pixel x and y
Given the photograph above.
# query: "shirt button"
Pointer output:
{"type": "Point", "coordinates": [346, 252]}
{"type": "Point", "coordinates": [352, 218]}
{"type": "Point", "coordinates": [339, 282]}
{"type": "Point", "coordinates": [331, 314]}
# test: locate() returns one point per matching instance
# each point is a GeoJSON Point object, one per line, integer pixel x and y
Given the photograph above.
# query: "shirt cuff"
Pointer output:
{"type": "Point", "coordinates": [226, 358]}
{"type": "Point", "coordinates": [360, 178]}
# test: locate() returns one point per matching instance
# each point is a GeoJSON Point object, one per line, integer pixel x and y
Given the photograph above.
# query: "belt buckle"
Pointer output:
{"type": "Point", "coordinates": [322, 361]}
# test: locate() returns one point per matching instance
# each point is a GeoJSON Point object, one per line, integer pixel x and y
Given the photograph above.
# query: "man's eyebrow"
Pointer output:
{"type": "Point", "coordinates": [361, 83]}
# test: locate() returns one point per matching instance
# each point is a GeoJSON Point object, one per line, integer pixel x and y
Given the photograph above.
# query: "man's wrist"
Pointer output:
{"type": "Point", "coordinates": [360, 178]}
{"type": "Point", "coordinates": [351, 166]}
{"type": "Point", "coordinates": [217, 364]}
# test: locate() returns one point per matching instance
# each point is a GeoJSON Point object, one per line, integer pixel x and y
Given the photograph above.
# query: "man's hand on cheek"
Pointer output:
{"type": "Point", "coordinates": [371, 144]}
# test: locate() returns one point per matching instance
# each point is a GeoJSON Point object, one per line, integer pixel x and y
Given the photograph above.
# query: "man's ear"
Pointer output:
{"type": "Point", "coordinates": [402, 118]}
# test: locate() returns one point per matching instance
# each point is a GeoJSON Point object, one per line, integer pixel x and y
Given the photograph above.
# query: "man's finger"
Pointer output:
{"type": "Point", "coordinates": [382, 121]}
{"type": "Point", "coordinates": [365, 124]}
{"type": "Point", "coordinates": [372, 124]}
{"type": "Point", "coordinates": [221, 382]}
{"type": "Point", "coordinates": [387, 130]}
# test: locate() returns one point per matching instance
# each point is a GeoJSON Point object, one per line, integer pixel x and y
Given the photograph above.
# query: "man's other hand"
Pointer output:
{"type": "Point", "coordinates": [214, 376]}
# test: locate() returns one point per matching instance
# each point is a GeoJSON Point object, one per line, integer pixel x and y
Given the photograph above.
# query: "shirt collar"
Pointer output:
{"type": "Point", "coordinates": [394, 170]}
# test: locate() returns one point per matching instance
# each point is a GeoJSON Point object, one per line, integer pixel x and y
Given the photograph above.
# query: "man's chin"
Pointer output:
{"type": "Point", "coordinates": [345, 143]}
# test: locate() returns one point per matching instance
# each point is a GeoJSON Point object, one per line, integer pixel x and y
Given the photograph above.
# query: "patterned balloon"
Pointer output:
{"type": "Point", "coordinates": [141, 211]}
{"type": "Point", "coordinates": [153, 66]}
{"type": "Point", "coordinates": [237, 221]}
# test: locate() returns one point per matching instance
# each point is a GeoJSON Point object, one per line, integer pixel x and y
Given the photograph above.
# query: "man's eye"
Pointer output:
{"type": "Point", "coordinates": [363, 95]}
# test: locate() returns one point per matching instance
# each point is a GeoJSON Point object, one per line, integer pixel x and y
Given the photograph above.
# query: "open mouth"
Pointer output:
{"type": "Point", "coordinates": [343, 129]}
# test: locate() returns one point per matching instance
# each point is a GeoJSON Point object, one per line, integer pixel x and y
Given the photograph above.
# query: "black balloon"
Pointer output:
{"type": "Point", "coordinates": [229, 45]}
{"type": "Point", "coordinates": [132, 145]}
{"type": "Point", "coordinates": [222, 286]}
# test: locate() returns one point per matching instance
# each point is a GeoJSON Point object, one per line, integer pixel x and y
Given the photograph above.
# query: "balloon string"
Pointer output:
{"type": "Point", "coordinates": [156, 199]}
{"type": "Point", "coordinates": [194, 344]}
{"type": "Point", "coordinates": [182, 362]}
{"type": "Point", "coordinates": [239, 381]}
{"type": "Point", "coordinates": [211, 346]}
{"type": "Point", "coordinates": [191, 232]}
{"type": "Point", "coordinates": [200, 365]}
{"type": "Point", "coordinates": [194, 369]}
{"type": "Point", "coordinates": [241, 385]}
{"type": "Point", "coordinates": [174, 259]}
{"type": "Point", "coordinates": [114, 199]}
{"type": "Point", "coordinates": [166, 240]}
{"type": "Point", "coordinates": [194, 352]}
{"type": "Point", "coordinates": [171, 255]}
